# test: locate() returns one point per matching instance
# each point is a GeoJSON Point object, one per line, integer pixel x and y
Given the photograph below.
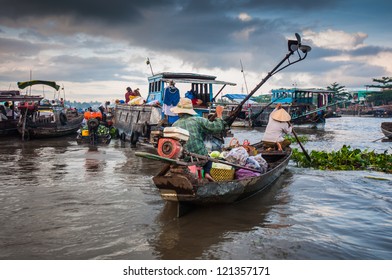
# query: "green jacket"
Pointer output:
{"type": "Point", "coordinates": [198, 128]}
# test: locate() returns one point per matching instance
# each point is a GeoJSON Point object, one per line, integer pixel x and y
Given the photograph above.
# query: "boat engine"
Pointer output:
{"type": "Point", "coordinates": [172, 142]}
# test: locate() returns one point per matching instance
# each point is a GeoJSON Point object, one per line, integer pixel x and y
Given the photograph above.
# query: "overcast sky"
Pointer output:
{"type": "Point", "coordinates": [95, 49]}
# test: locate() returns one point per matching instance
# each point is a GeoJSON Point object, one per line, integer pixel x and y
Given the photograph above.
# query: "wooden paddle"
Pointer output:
{"type": "Point", "coordinates": [385, 136]}
{"type": "Point", "coordinates": [300, 144]}
{"type": "Point", "coordinates": [178, 162]}
{"type": "Point", "coordinates": [222, 161]}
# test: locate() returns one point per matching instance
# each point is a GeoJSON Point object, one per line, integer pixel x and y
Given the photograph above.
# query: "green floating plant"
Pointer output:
{"type": "Point", "coordinates": [303, 139]}
{"type": "Point", "coordinates": [345, 159]}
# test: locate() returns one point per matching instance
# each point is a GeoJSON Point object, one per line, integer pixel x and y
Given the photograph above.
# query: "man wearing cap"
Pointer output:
{"type": "Point", "coordinates": [198, 127]}
{"type": "Point", "coordinates": [278, 126]}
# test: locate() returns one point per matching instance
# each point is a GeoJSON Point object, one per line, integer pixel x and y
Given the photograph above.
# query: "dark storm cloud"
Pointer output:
{"type": "Point", "coordinates": [204, 33]}
{"type": "Point", "coordinates": [160, 25]}
{"type": "Point", "coordinates": [125, 10]}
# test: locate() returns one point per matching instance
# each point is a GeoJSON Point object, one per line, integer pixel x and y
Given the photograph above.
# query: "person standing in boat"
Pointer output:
{"type": "Point", "coordinates": [170, 100]}
{"type": "Point", "coordinates": [278, 125]}
{"type": "Point", "coordinates": [198, 128]}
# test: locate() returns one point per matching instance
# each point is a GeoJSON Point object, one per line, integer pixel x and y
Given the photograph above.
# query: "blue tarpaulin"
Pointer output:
{"type": "Point", "coordinates": [237, 96]}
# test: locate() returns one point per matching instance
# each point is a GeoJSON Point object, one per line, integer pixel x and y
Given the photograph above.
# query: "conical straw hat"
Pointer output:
{"type": "Point", "coordinates": [281, 115]}
{"type": "Point", "coordinates": [185, 106]}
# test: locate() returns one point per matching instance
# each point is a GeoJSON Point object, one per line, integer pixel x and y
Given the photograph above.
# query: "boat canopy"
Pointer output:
{"type": "Point", "coordinates": [202, 85]}
{"type": "Point", "coordinates": [188, 78]}
{"type": "Point", "coordinates": [237, 96]}
{"type": "Point", "coordinates": [23, 85]}
{"type": "Point", "coordinates": [298, 95]}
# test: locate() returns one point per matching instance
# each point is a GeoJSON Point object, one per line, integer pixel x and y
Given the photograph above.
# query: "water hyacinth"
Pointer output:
{"type": "Point", "coordinates": [345, 159]}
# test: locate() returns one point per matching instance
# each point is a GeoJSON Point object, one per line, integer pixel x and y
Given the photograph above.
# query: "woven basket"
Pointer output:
{"type": "Point", "coordinates": [222, 174]}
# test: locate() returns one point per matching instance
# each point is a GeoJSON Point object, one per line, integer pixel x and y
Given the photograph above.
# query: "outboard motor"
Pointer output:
{"type": "Point", "coordinates": [92, 125]}
{"type": "Point", "coordinates": [172, 142]}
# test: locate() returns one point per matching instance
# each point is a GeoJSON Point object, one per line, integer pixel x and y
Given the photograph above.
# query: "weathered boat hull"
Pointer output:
{"type": "Point", "coordinates": [134, 122]}
{"type": "Point", "coordinates": [179, 188]}
{"type": "Point", "coordinates": [48, 130]}
{"type": "Point", "coordinates": [386, 128]}
{"type": "Point", "coordinates": [8, 127]}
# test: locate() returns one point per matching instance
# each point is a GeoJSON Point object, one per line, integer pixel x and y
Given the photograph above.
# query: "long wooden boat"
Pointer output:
{"type": "Point", "coordinates": [48, 118]}
{"type": "Point", "coordinates": [177, 184]}
{"type": "Point", "coordinates": [54, 124]}
{"type": "Point", "coordinates": [386, 128]}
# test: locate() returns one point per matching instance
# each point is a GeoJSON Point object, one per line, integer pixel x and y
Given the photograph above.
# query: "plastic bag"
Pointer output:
{"type": "Point", "coordinates": [237, 155]}
{"type": "Point", "coordinates": [244, 173]}
{"type": "Point", "coordinates": [252, 163]}
{"type": "Point", "coordinates": [262, 162]}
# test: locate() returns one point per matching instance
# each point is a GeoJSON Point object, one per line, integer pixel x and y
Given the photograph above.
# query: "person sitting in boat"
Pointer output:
{"type": "Point", "coordinates": [170, 100]}
{"type": "Point", "coordinates": [198, 127]}
{"type": "Point", "coordinates": [278, 125]}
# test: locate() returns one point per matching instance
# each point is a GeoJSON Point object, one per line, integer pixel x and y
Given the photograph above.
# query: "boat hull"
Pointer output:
{"type": "Point", "coordinates": [182, 189]}
{"type": "Point", "coordinates": [48, 130]}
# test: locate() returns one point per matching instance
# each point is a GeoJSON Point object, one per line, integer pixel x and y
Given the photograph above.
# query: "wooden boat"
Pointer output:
{"type": "Point", "coordinates": [47, 118]}
{"type": "Point", "coordinates": [307, 107]}
{"type": "Point", "coordinates": [9, 121]}
{"type": "Point", "coordinates": [136, 122]}
{"type": "Point", "coordinates": [177, 184]}
{"type": "Point", "coordinates": [386, 128]}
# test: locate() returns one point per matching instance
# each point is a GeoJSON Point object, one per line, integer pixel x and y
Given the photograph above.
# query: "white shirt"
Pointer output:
{"type": "Point", "coordinates": [275, 130]}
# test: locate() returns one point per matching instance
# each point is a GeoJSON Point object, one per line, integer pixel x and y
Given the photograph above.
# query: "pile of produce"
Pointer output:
{"type": "Point", "coordinates": [345, 159]}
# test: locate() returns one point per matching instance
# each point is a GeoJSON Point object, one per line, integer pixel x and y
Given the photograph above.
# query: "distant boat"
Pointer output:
{"type": "Point", "coordinates": [307, 107]}
{"type": "Point", "coordinates": [48, 118]}
{"type": "Point", "coordinates": [249, 108]}
{"type": "Point", "coordinates": [9, 120]}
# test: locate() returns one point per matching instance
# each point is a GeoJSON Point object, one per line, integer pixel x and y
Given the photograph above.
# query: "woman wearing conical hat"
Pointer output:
{"type": "Point", "coordinates": [278, 125]}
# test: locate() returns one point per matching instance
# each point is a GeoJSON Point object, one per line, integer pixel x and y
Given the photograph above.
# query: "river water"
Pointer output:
{"type": "Point", "coordinates": [61, 200]}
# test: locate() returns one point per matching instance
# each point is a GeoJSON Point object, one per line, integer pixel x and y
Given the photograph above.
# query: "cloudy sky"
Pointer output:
{"type": "Point", "coordinates": [95, 49]}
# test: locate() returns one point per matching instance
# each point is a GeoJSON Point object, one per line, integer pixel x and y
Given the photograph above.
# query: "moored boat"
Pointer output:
{"type": "Point", "coordinates": [47, 118]}
{"type": "Point", "coordinates": [9, 120]}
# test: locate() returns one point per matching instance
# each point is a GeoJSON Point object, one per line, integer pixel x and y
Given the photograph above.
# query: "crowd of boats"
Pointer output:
{"type": "Point", "coordinates": [36, 117]}
{"type": "Point", "coordinates": [180, 179]}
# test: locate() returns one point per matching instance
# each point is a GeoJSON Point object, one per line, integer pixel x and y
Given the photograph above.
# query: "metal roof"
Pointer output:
{"type": "Point", "coordinates": [189, 78]}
